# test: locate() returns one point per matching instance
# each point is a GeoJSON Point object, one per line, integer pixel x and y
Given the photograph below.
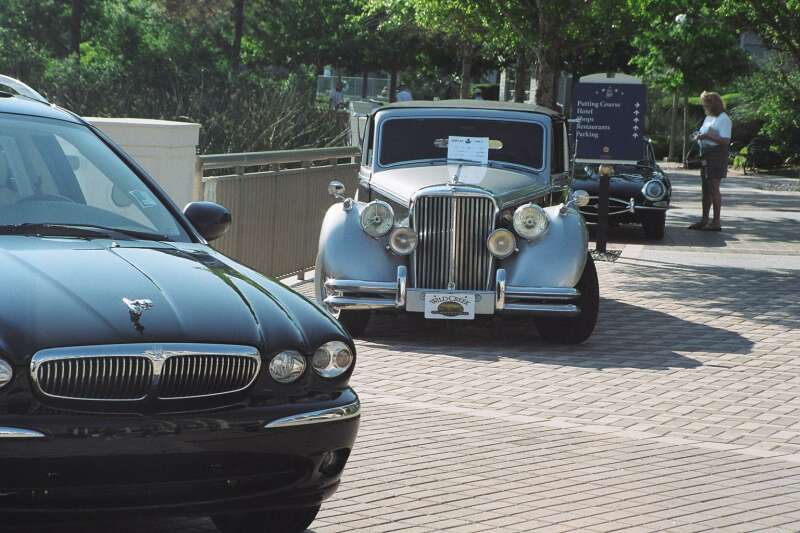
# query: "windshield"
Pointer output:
{"type": "Point", "coordinates": [416, 139]}
{"type": "Point", "coordinates": [55, 172]}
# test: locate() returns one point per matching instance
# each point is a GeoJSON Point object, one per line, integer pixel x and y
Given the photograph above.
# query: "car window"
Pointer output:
{"type": "Point", "coordinates": [419, 139]}
{"type": "Point", "coordinates": [55, 172]}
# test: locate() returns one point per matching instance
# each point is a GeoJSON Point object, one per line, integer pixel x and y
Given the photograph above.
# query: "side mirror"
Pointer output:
{"type": "Point", "coordinates": [336, 189]}
{"type": "Point", "coordinates": [209, 219]}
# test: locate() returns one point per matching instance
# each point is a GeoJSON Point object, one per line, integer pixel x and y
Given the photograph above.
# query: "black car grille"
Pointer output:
{"type": "Point", "coordinates": [452, 233]}
{"type": "Point", "coordinates": [137, 372]}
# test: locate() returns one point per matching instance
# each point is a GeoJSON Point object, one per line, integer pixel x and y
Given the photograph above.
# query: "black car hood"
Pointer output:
{"type": "Point", "coordinates": [619, 186]}
{"type": "Point", "coordinates": [57, 292]}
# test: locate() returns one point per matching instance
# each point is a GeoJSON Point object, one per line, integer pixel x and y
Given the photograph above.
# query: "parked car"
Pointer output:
{"type": "Point", "coordinates": [638, 193]}
{"type": "Point", "coordinates": [140, 370]}
{"type": "Point", "coordinates": [455, 239]}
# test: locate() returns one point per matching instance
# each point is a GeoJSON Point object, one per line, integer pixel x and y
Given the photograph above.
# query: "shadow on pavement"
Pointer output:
{"type": "Point", "coordinates": [626, 336]}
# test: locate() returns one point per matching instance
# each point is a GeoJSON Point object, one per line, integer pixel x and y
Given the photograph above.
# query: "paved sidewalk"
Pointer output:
{"type": "Point", "coordinates": [682, 412]}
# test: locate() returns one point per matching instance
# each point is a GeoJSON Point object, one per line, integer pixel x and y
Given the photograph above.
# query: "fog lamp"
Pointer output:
{"type": "Point", "coordinates": [403, 240]}
{"type": "Point", "coordinates": [6, 373]}
{"type": "Point", "coordinates": [332, 359]}
{"type": "Point", "coordinates": [501, 243]}
{"type": "Point", "coordinates": [287, 366]}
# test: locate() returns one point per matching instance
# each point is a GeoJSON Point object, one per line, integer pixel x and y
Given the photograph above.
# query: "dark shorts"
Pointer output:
{"type": "Point", "coordinates": [715, 163]}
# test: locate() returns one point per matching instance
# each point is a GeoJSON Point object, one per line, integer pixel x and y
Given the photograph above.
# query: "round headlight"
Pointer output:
{"type": "Point", "coordinates": [332, 359]}
{"type": "Point", "coordinates": [287, 366]}
{"type": "Point", "coordinates": [654, 190]}
{"type": "Point", "coordinates": [377, 218]}
{"type": "Point", "coordinates": [530, 221]}
{"type": "Point", "coordinates": [403, 240]}
{"type": "Point", "coordinates": [501, 243]}
{"type": "Point", "coordinates": [6, 373]}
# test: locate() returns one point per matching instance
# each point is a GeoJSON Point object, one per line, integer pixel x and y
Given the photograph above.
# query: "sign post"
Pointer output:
{"type": "Point", "coordinates": [610, 109]}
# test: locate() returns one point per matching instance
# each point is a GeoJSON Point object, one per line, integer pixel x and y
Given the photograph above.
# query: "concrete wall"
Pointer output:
{"type": "Point", "coordinates": [166, 149]}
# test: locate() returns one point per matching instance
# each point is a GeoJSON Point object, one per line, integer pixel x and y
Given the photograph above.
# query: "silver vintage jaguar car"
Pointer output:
{"type": "Point", "coordinates": [463, 209]}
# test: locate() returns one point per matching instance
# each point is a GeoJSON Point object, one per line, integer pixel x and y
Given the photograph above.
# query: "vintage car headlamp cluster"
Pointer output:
{"type": "Point", "coordinates": [6, 373]}
{"type": "Point", "coordinates": [332, 359]}
{"type": "Point", "coordinates": [287, 366]}
{"type": "Point", "coordinates": [501, 243]}
{"type": "Point", "coordinates": [403, 240]}
{"type": "Point", "coordinates": [530, 221]}
{"type": "Point", "coordinates": [377, 218]}
{"type": "Point", "coordinates": [654, 190]}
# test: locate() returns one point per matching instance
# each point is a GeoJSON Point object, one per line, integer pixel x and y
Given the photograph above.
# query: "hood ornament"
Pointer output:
{"type": "Point", "coordinates": [136, 308]}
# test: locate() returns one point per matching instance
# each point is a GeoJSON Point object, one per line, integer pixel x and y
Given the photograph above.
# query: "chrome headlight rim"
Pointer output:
{"type": "Point", "coordinates": [395, 240]}
{"type": "Point", "coordinates": [332, 359]}
{"type": "Point", "coordinates": [6, 373]}
{"type": "Point", "coordinates": [294, 360]}
{"type": "Point", "coordinates": [365, 222]}
{"type": "Point", "coordinates": [524, 215]}
{"type": "Point", "coordinates": [497, 234]}
{"type": "Point", "coordinates": [652, 197]}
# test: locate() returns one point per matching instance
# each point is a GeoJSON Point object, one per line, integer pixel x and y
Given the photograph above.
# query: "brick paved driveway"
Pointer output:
{"type": "Point", "coordinates": [681, 413]}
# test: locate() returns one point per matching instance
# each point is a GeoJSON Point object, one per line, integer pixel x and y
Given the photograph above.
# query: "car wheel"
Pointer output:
{"type": "Point", "coordinates": [280, 521]}
{"type": "Point", "coordinates": [355, 322]}
{"type": "Point", "coordinates": [575, 329]}
{"type": "Point", "coordinates": [653, 224]}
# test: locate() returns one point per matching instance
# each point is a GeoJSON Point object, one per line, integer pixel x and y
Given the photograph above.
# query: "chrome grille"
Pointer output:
{"type": "Point", "coordinates": [96, 378]}
{"type": "Point", "coordinates": [187, 376]}
{"type": "Point", "coordinates": [130, 372]}
{"type": "Point", "coordinates": [452, 232]}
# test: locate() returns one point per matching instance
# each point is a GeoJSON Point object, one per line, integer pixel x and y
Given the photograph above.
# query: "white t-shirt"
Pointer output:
{"type": "Point", "coordinates": [721, 124]}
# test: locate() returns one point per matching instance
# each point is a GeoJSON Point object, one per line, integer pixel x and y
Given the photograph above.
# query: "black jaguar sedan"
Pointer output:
{"type": "Point", "coordinates": [638, 193]}
{"type": "Point", "coordinates": [140, 370]}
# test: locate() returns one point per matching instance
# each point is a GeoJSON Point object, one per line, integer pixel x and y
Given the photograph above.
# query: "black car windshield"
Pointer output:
{"type": "Point", "coordinates": [53, 172]}
{"type": "Point", "coordinates": [420, 139]}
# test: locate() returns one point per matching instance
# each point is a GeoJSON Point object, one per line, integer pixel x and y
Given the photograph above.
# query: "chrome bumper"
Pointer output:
{"type": "Point", "coordinates": [618, 206]}
{"type": "Point", "coordinates": [20, 433]}
{"type": "Point", "coordinates": [351, 294]}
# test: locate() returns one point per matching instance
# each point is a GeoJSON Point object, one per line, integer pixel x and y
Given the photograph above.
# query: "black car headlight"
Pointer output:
{"type": "Point", "coordinates": [654, 190]}
{"type": "Point", "coordinates": [332, 359]}
{"type": "Point", "coordinates": [287, 366]}
{"type": "Point", "coordinates": [6, 373]}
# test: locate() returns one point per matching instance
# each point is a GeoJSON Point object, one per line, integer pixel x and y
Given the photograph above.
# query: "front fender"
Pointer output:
{"type": "Point", "coordinates": [555, 260]}
{"type": "Point", "coordinates": [346, 252]}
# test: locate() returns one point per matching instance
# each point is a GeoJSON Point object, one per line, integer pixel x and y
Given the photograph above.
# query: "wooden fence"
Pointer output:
{"type": "Point", "coordinates": [278, 200]}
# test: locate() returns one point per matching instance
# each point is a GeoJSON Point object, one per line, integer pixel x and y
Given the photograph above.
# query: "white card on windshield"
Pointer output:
{"type": "Point", "coordinates": [474, 149]}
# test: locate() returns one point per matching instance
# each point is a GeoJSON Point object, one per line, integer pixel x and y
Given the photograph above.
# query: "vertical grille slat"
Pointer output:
{"type": "Point", "coordinates": [452, 231]}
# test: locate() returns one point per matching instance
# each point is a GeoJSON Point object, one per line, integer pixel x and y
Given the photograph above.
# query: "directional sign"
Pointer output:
{"type": "Point", "coordinates": [611, 113]}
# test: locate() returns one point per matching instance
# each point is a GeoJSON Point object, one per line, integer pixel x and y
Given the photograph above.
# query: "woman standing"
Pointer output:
{"type": "Point", "coordinates": [714, 138]}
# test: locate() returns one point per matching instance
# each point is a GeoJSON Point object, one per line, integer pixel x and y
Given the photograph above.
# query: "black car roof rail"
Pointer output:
{"type": "Point", "coordinates": [22, 89]}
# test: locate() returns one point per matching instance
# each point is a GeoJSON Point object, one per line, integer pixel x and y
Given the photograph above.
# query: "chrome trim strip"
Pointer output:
{"type": "Point", "coordinates": [542, 293]}
{"type": "Point", "coordinates": [352, 302]}
{"type": "Point", "coordinates": [111, 358]}
{"type": "Point", "coordinates": [400, 295]}
{"type": "Point", "coordinates": [545, 309]}
{"type": "Point", "coordinates": [350, 285]}
{"type": "Point", "coordinates": [333, 414]}
{"type": "Point", "coordinates": [20, 433]}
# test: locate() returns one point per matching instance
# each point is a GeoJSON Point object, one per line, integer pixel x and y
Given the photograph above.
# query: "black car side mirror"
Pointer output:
{"type": "Point", "coordinates": [209, 219]}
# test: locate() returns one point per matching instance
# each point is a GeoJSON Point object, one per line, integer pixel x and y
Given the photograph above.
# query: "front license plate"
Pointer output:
{"type": "Point", "coordinates": [450, 306]}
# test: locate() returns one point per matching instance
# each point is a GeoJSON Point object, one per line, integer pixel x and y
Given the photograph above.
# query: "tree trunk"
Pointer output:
{"type": "Point", "coordinates": [546, 78]}
{"type": "Point", "coordinates": [466, 72]}
{"type": "Point", "coordinates": [364, 83]}
{"type": "Point", "coordinates": [393, 86]}
{"type": "Point", "coordinates": [673, 125]}
{"type": "Point", "coordinates": [238, 30]}
{"type": "Point", "coordinates": [521, 77]}
{"type": "Point", "coordinates": [685, 122]}
{"type": "Point", "coordinates": [75, 29]}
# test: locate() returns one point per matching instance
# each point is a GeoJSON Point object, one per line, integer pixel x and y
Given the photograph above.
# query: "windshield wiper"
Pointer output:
{"type": "Point", "coordinates": [88, 231]}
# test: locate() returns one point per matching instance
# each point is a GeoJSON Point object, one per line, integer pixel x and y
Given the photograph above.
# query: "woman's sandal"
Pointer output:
{"type": "Point", "coordinates": [699, 225]}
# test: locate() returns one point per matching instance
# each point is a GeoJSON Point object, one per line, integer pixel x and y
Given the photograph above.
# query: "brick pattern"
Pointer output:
{"type": "Point", "coordinates": [681, 413]}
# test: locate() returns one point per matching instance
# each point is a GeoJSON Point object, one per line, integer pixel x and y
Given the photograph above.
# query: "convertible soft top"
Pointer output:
{"type": "Point", "coordinates": [472, 104]}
